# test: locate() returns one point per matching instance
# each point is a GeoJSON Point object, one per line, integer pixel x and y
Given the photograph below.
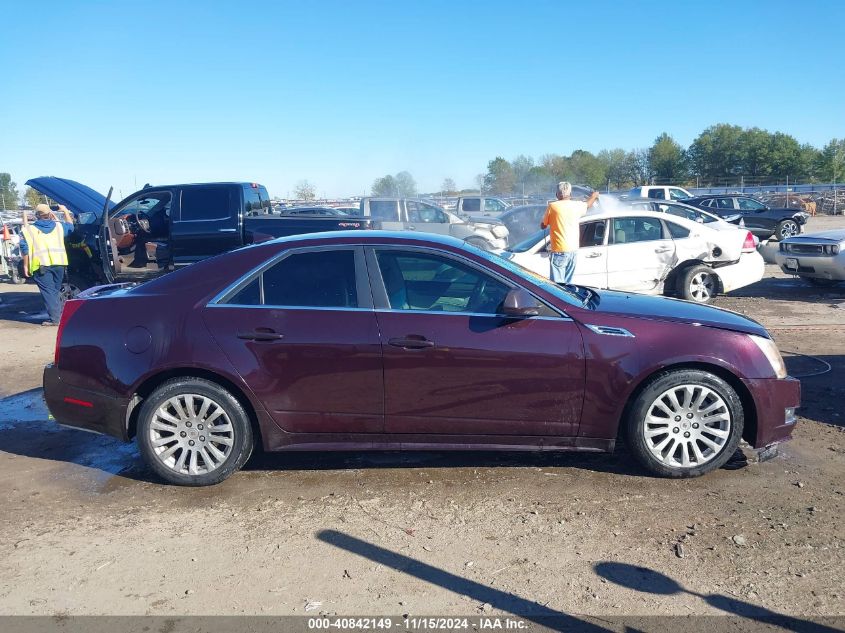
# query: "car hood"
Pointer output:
{"type": "Point", "coordinates": [675, 310]}
{"type": "Point", "coordinates": [833, 235]}
{"type": "Point", "coordinates": [75, 196]}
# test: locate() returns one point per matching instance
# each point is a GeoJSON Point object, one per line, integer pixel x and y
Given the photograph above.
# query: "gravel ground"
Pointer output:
{"type": "Point", "coordinates": [86, 529]}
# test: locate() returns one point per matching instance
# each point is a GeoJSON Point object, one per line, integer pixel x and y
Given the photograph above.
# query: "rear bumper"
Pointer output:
{"type": "Point", "coordinates": [84, 409]}
{"type": "Point", "coordinates": [748, 270]}
{"type": "Point", "coordinates": [773, 400]}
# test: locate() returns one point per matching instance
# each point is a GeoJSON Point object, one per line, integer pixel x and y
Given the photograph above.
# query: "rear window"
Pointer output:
{"type": "Point", "coordinates": [205, 203]}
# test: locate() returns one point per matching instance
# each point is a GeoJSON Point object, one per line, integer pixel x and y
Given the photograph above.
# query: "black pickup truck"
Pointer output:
{"type": "Point", "coordinates": [160, 228]}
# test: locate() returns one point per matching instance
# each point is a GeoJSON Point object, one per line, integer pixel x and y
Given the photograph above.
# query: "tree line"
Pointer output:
{"type": "Point", "coordinates": [721, 155]}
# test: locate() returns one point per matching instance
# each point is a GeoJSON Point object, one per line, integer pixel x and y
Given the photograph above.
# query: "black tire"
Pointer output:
{"type": "Point", "coordinates": [478, 242]}
{"type": "Point", "coordinates": [787, 228]}
{"type": "Point", "coordinates": [698, 283]}
{"type": "Point", "coordinates": [72, 285]}
{"type": "Point", "coordinates": [821, 283]}
{"type": "Point", "coordinates": [241, 432]}
{"type": "Point", "coordinates": [638, 423]}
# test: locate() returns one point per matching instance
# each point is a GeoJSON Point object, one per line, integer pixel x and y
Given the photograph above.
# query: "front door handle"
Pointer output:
{"type": "Point", "coordinates": [411, 342]}
{"type": "Point", "coordinates": [261, 334]}
{"type": "Point", "coordinates": [592, 255]}
{"type": "Point", "coordinates": [662, 249]}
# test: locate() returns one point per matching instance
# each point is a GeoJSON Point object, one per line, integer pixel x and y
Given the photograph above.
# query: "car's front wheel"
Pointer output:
{"type": "Point", "coordinates": [699, 284]}
{"type": "Point", "coordinates": [685, 423]}
{"type": "Point", "coordinates": [193, 432]}
{"type": "Point", "coordinates": [787, 228]}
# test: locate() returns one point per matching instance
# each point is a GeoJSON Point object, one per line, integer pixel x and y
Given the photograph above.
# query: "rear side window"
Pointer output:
{"type": "Point", "coordinates": [592, 233]}
{"type": "Point", "coordinates": [384, 210]}
{"type": "Point", "coordinates": [630, 230]}
{"type": "Point", "coordinates": [252, 200]}
{"type": "Point", "coordinates": [677, 231]}
{"type": "Point", "coordinates": [472, 204]}
{"type": "Point", "coordinates": [658, 194]}
{"type": "Point", "coordinates": [322, 279]}
{"type": "Point", "coordinates": [205, 203]}
{"type": "Point", "coordinates": [725, 203]}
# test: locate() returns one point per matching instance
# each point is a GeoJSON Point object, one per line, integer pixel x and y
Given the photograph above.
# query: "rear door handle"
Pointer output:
{"type": "Point", "coordinates": [662, 249]}
{"type": "Point", "coordinates": [592, 255]}
{"type": "Point", "coordinates": [411, 342]}
{"type": "Point", "coordinates": [261, 335]}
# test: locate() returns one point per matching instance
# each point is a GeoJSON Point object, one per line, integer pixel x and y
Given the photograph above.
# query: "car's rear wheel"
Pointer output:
{"type": "Point", "coordinates": [685, 423]}
{"type": "Point", "coordinates": [787, 228]}
{"type": "Point", "coordinates": [193, 432]}
{"type": "Point", "coordinates": [699, 284]}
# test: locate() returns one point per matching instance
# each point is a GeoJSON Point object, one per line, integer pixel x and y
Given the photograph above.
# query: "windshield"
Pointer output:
{"type": "Point", "coordinates": [528, 243]}
{"type": "Point", "coordinates": [573, 295]}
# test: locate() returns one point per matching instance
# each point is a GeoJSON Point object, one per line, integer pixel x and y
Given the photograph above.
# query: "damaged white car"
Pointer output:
{"type": "Point", "coordinates": [653, 253]}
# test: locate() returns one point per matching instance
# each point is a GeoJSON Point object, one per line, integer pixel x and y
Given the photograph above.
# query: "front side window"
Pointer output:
{"type": "Point", "coordinates": [747, 204]}
{"type": "Point", "coordinates": [677, 194]}
{"type": "Point", "coordinates": [629, 230]}
{"type": "Point", "coordinates": [320, 279]}
{"type": "Point", "coordinates": [491, 204]}
{"type": "Point", "coordinates": [421, 281]}
{"type": "Point", "coordinates": [148, 205]}
{"type": "Point", "coordinates": [205, 203]}
{"type": "Point", "coordinates": [419, 212]}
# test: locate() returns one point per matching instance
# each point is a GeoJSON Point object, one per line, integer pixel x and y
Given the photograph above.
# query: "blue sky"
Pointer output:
{"type": "Point", "coordinates": [339, 93]}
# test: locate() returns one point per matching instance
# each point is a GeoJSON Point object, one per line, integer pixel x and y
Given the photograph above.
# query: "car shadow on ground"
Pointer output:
{"type": "Point", "coordinates": [22, 307]}
{"type": "Point", "coordinates": [786, 289]}
{"type": "Point", "coordinates": [822, 386]}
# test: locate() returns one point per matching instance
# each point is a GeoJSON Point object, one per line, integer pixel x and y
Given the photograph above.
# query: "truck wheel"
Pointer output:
{"type": "Point", "coordinates": [484, 245]}
{"type": "Point", "coordinates": [685, 423]}
{"type": "Point", "coordinates": [193, 432]}
{"type": "Point", "coordinates": [72, 286]}
{"type": "Point", "coordinates": [698, 283]}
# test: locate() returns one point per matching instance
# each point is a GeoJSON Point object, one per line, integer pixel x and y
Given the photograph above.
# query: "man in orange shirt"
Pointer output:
{"type": "Point", "coordinates": [562, 218]}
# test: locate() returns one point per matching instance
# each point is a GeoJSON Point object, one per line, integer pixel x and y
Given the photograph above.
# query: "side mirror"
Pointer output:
{"type": "Point", "coordinates": [520, 303]}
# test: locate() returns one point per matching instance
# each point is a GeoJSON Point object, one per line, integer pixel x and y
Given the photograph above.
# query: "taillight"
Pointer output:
{"type": "Point", "coordinates": [748, 245]}
{"type": "Point", "coordinates": [70, 308]}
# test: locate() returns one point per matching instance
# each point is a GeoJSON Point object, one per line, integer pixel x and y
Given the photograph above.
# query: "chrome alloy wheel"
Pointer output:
{"type": "Point", "coordinates": [788, 228]}
{"type": "Point", "coordinates": [687, 426]}
{"type": "Point", "coordinates": [191, 434]}
{"type": "Point", "coordinates": [702, 286]}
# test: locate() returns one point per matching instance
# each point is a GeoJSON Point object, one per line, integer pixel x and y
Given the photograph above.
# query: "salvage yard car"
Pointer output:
{"type": "Point", "coordinates": [371, 340]}
{"type": "Point", "coordinates": [653, 253]}
{"type": "Point", "coordinates": [818, 258]}
{"type": "Point", "coordinates": [764, 222]}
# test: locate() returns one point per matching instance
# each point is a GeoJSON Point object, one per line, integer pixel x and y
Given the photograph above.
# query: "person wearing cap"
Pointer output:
{"type": "Point", "coordinates": [45, 257]}
{"type": "Point", "coordinates": [561, 219]}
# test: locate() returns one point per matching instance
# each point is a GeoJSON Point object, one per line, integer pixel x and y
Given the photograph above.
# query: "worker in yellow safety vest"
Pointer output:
{"type": "Point", "coordinates": [45, 257]}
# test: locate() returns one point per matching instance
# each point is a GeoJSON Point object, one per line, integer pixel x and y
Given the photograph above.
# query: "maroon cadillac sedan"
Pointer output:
{"type": "Point", "coordinates": [373, 340]}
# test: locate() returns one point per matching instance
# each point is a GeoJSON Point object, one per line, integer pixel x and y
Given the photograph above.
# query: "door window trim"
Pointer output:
{"type": "Point", "coordinates": [381, 302]}
{"type": "Point", "coordinates": [362, 283]}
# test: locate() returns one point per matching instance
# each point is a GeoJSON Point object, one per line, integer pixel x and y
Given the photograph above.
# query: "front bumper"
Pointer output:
{"type": "Point", "coordinates": [775, 401]}
{"type": "Point", "coordinates": [830, 267]}
{"type": "Point", "coordinates": [84, 409]}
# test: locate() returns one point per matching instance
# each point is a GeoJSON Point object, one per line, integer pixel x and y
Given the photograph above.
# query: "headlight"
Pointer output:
{"type": "Point", "coordinates": [770, 350]}
{"type": "Point", "coordinates": [500, 231]}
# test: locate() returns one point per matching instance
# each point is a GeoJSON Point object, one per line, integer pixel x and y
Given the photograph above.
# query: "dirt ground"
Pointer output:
{"type": "Point", "coordinates": [86, 529]}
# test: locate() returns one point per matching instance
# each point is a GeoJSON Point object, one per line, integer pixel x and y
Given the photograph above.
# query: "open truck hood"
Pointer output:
{"type": "Point", "coordinates": [75, 196]}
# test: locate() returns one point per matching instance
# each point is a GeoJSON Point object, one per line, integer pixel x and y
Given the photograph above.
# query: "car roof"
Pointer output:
{"type": "Point", "coordinates": [368, 236]}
